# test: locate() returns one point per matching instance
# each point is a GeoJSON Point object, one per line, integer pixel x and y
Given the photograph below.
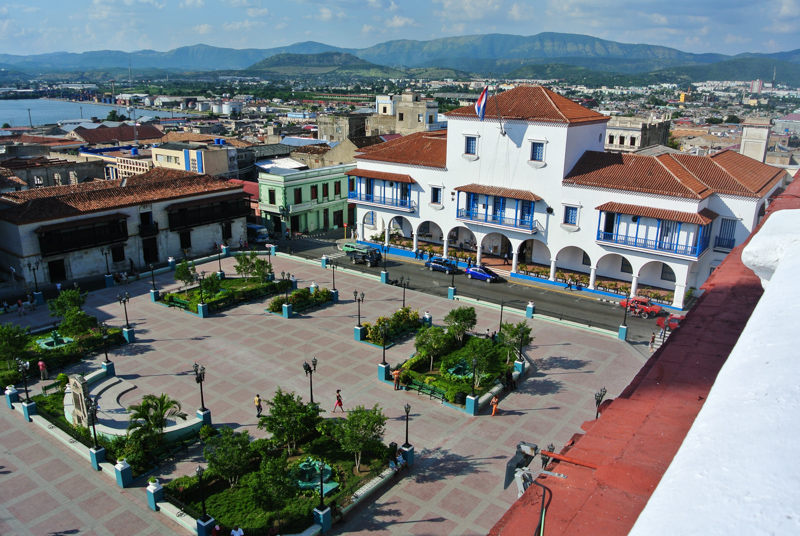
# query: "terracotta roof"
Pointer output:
{"type": "Point", "coordinates": [511, 193]}
{"type": "Point", "coordinates": [533, 103]}
{"type": "Point", "coordinates": [83, 221]}
{"type": "Point", "coordinates": [381, 175]}
{"type": "Point", "coordinates": [704, 217]}
{"type": "Point", "coordinates": [201, 138]}
{"type": "Point", "coordinates": [208, 200]}
{"type": "Point", "coordinates": [38, 161]}
{"type": "Point", "coordinates": [676, 175]}
{"type": "Point", "coordinates": [122, 133]}
{"type": "Point", "coordinates": [158, 184]}
{"type": "Point", "coordinates": [427, 149]}
{"type": "Point", "coordinates": [46, 140]}
{"type": "Point", "coordinates": [250, 187]}
{"type": "Point", "coordinates": [313, 149]}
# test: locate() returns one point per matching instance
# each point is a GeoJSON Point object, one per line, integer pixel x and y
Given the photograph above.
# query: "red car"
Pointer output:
{"type": "Point", "coordinates": [672, 321]}
{"type": "Point", "coordinates": [639, 305]}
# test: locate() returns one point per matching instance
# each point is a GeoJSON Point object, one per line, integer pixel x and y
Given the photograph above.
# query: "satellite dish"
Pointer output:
{"type": "Point", "coordinates": [550, 210]}
{"type": "Point", "coordinates": [635, 219]}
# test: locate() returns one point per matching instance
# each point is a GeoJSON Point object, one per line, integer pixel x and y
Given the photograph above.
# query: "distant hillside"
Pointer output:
{"type": "Point", "coordinates": [317, 64]}
{"type": "Point", "coordinates": [736, 69]}
{"type": "Point", "coordinates": [438, 73]}
{"type": "Point", "coordinates": [574, 73]}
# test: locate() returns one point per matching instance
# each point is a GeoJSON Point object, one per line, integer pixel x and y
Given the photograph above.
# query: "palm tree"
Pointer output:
{"type": "Point", "coordinates": [149, 418]}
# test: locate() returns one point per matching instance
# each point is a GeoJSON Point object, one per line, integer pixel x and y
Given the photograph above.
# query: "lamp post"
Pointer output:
{"type": "Point", "coordinates": [598, 399]}
{"type": "Point", "coordinates": [407, 407]}
{"type": "Point", "coordinates": [358, 300]}
{"type": "Point", "coordinates": [334, 265]}
{"type": "Point", "coordinates": [202, 279]}
{"type": "Point", "coordinates": [321, 507]}
{"type": "Point", "coordinates": [105, 252]}
{"type": "Point", "coordinates": [104, 332]}
{"type": "Point", "coordinates": [384, 330]}
{"type": "Point", "coordinates": [33, 267]}
{"type": "Point", "coordinates": [452, 278]}
{"type": "Point", "coordinates": [502, 304]}
{"type": "Point", "coordinates": [474, 366]}
{"type": "Point", "coordinates": [625, 313]}
{"type": "Point", "coordinates": [310, 370]}
{"type": "Point", "coordinates": [123, 300]}
{"type": "Point", "coordinates": [23, 367]}
{"type": "Point", "coordinates": [91, 412]}
{"type": "Point", "coordinates": [219, 256]}
{"type": "Point", "coordinates": [385, 250]}
{"type": "Point", "coordinates": [200, 377]}
{"type": "Point", "coordinates": [404, 283]}
{"type": "Point", "coordinates": [269, 255]}
{"type": "Point", "coordinates": [200, 472]}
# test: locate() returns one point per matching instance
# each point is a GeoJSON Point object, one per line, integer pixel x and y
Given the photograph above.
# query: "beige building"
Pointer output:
{"type": "Point", "coordinates": [629, 134]}
{"type": "Point", "coordinates": [215, 160]}
{"type": "Point", "coordinates": [403, 114]}
{"type": "Point", "coordinates": [319, 156]}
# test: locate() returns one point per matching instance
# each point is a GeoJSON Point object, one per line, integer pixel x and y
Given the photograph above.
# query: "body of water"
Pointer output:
{"type": "Point", "coordinates": [47, 112]}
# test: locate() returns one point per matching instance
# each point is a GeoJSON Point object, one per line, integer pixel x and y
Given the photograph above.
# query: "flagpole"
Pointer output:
{"type": "Point", "coordinates": [497, 108]}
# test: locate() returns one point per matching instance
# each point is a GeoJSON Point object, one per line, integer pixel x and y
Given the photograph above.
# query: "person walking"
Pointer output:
{"type": "Point", "coordinates": [43, 370]}
{"type": "Point", "coordinates": [652, 341]}
{"type": "Point", "coordinates": [510, 379]}
{"type": "Point", "coordinates": [339, 403]}
{"type": "Point", "coordinates": [20, 308]}
{"type": "Point", "coordinates": [569, 284]}
{"type": "Point", "coordinates": [505, 258]}
{"type": "Point", "coordinates": [31, 302]}
{"type": "Point", "coordinates": [58, 287]}
{"type": "Point", "coordinates": [469, 263]}
{"type": "Point", "coordinates": [237, 531]}
{"type": "Point", "coordinates": [663, 331]}
{"type": "Point", "coordinates": [5, 306]}
{"type": "Point", "coordinates": [396, 376]}
{"type": "Point", "coordinates": [257, 402]}
{"type": "Point", "coordinates": [495, 401]}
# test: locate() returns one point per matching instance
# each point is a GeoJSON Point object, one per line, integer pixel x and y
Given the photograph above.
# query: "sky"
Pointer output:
{"type": "Point", "coordinates": [730, 27]}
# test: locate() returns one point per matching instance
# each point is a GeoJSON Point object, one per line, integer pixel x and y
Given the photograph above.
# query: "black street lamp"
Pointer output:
{"type": "Point", "coordinates": [91, 412]}
{"type": "Point", "coordinates": [104, 331]}
{"type": "Point", "coordinates": [105, 252]}
{"type": "Point", "coordinates": [358, 300]}
{"type": "Point", "coordinates": [287, 277]}
{"type": "Point", "coordinates": [404, 283]}
{"type": "Point", "coordinates": [407, 407]}
{"type": "Point", "coordinates": [321, 467]}
{"type": "Point", "coordinates": [219, 256]}
{"type": "Point", "coordinates": [385, 250]}
{"type": "Point", "coordinates": [598, 399]}
{"type": "Point", "coordinates": [123, 300]}
{"type": "Point", "coordinates": [33, 267]}
{"type": "Point", "coordinates": [200, 472]}
{"type": "Point", "coordinates": [474, 365]}
{"type": "Point", "coordinates": [384, 332]}
{"type": "Point", "coordinates": [452, 278]}
{"type": "Point", "coordinates": [23, 367]}
{"type": "Point", "coordinates": [202, 279]}
{"type": "Point", "coordinates": [200, 377]}
{"type": "Point", "coordinates": [334, 265]}
{"type": "Point", "coordinates": [153, 276]}
{"type": "Point", "coordinates": [269, 255]}
{"type": "Point", "coordinates": [625, 312]}
{"type": "Point", "coordinates": [502, 304]}
{"type": "Point", "coordinates": [310, 370]}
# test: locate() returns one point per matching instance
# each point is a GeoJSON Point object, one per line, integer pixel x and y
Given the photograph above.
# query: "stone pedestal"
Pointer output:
{"type": "Point", "coordinates": [97, 456]}
{"type": "Point", "coordinates": [323, 519]}
{"type": "Point", "coordinates": [110, 281]}
{"type": "Point", "coordinates": [519, 366]}
{"type": "Point", "coordinates": [220, 274]}
{"type": "Point", "coordinates": [124, 473]}
{"type": "Point", "coordinates": [530, 310]}
{"type": "Point", "coordinates": [427, 319]}
{"type": "Point", "coordinates": [408, 454]}
{"type": "Point", "coordinates": [287, 310]}
{"type": "Point", "coordinates": [38, 298]}
{"type": "Point", "coordinates": [294, 283]}
{"type": "Point", "coordinates": [451, 293]}
{"type": "Point", "coordinates": [226, 251]}
{"type": "Point", "coordinates": [155, 494]}
{"type": "Point", "coordinates": [273, 250]}
{"type": "Point", "coordinates": [324, 261]}
{"type": "Point", "coordinates": [384, 277]}
{"type": "Point", "coordinates": [12, 396]}
{"type": "Point", "coordinates": [385, 373]}
{"type": "Point", "coordinates": [335, 296]}
{"type": "Point", "coordinates": [204, 416]}
{"type": "Point", "coordinates": [472, 405]}
{"type": "Point", "coordinates": [202, 310]}
{"type": "Point", "coordinates": [359, 333]}
{"type": "Point", "coordinates": [205, 526]}
{"type": "Point", "coordinates": [154, 296]}
{"type": "Point", "coordinates": [313, 288]}
{"type": "Point", "coordinates": [109, 368]}
{"type": "Point", "coordinates": [28, 409]}
{"type": "Point", "coordinates": [129, 335]}
{"type": "Point", "coordinates": [622, 334]}
{"type": "Point", "coordinates": [271, 276]}
{"type": "Point", "coordinates": [172, 263]}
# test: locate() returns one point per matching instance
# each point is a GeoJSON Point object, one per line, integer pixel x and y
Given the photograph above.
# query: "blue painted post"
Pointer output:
{"type": "Point", "coordinates": [12, 396]}
{"type": "Point", "coordinates": [622, 334]}
{"type": "Point", "coordinates": [109, 281]}
{"type": "Point", "coordinates": [154, 296]}
{"type": "Point", "coordinates": [385, 372]}
{"type": "Point", "coordinates": [129, 335]}
{"type": "Point", "coordinates": [220, 274]}
{"type": "Point", "coordinates": [38, 298]}
{"type": "Point", "coordinates": [155, 494]}
{"type": "Point", "coordinates": [172, 263]}
{"type": "Point", "coordinates": [530, 310]}
{"type": "Point", "coordinates": [96, 457]}
{"type": "Point", "coordinates": [335, 296]}
{"type": "Point", "coordinates": [519, 366]}
{"type": "Point", "coordinates": [323, 519]}
{"type": "Point", "coordinates": [123, 473]}
{"type": "Point", "coordinates": [427, 319]}
{"type": "Point", "coordinates": [472, 405]}
{"type": "Point", "coordinates": [110, 369]}
{"type": "Point", "coordinates": [294, 283]}
{"type": "Point", "coordinates": [359, 333]}
{"type": "Point", "coordinates": [204, 416]}
{"type": "Point", "coordinates": [202, 310]}
{"type": "Point", "coordinates": [204, 527]}
{"type": "Point", "coordinates": [384, 277]}
{"type": "Point", "coordinates": [451, 293]}
{"type": "Point", "coordinates": [408, 454]}
{"type": "Point", "coordinates": [273, 250]}
{"type": "Point", "coordinates": [226, 251]}
{"type": "Point", "coordinates": [287, 310]}
{"type": "Point", "coordinates": [313, 288]}
{"type": "Point", "coordinates": [28, 409]}
{"type": "Point", "coordinates": [324, 261]}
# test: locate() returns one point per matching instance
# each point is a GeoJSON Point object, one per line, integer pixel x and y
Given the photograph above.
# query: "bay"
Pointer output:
{"type": "Point", "coordinates": [47, 112]}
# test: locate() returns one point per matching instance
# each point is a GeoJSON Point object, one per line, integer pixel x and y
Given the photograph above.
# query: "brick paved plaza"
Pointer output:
{"type": "Point", "coordinates": [455, 486]}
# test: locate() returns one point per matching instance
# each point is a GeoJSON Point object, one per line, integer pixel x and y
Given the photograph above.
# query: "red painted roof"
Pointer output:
{"type": "Point", "coordinates": [511, 193]}
{"type": "Point", "coordinates": [638, 433]}
{"type": "Point", "coordinates": [381, 175]}
{"type": "Point", "coordinates": [427, 149]}
{"type": "Point", "coordinates": [533, 103]}
{"type": "Point", "coordinates": [121, 133]}
{"type": "Point", "coordinates": [703, 217]}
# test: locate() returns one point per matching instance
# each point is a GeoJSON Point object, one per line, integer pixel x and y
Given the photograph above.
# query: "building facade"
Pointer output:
{"type": "Point", "coordinates": [532, 182]}
{"type": "Point", "coordinates": [629, 134]}
{"type": "Point", "coordinates": [218, 160]}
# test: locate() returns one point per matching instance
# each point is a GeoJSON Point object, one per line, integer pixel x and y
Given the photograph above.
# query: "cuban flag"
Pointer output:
{"type": "Point", "coordinates": [480, 106]}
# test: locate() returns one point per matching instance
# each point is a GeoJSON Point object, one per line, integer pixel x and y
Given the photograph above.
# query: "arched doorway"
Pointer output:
{"type": "Point", "coordinates": [614, 273]}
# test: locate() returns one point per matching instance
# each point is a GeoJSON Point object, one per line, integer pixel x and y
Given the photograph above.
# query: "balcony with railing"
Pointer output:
{"type": "Point", "coordinates": [528, 224]}
{"type": "Point", "coordinates": [148, 230]}
{"type": "Point", "coordinates": [654, 245]}
{"type": "Point", "coordinates": [722, 242]}
{"type": "Point", "coordinates": [403, 204]}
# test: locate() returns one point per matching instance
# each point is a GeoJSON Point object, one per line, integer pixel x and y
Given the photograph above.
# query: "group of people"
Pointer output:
{"type": "Point", "coordinates": [338, 404]}
{"type": "Point", "coordinates": [21, 311]}
{"type": "Point", "coordinates": [218, 531]}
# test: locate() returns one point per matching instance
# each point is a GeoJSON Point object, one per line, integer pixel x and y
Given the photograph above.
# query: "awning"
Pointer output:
{"type": "Point", "coordinates": [510, 193]}
{"type": "Point", "coordinates": [381, 175]}
{"type": "Point", "coordinates": [83, 222]}
{"type": "Point", "coordinates": [704, 217]}
{"type": "Point", "coordinates": [209, 200]}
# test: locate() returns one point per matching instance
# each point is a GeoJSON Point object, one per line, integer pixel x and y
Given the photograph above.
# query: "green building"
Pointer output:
{"type": "Point", "coordinates": [305, 201]}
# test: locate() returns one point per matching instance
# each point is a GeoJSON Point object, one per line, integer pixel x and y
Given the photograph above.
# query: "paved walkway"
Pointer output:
{"type": "Point", "coordinates": [456, 485]}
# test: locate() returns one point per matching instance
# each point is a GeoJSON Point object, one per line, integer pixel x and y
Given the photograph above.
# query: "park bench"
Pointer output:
{"type": "Point", "coordinates": [46, 389]}
{"type": "Point", "coordinates": [422, 388]}
{"type": "Point", "coordinates": [178, 302]}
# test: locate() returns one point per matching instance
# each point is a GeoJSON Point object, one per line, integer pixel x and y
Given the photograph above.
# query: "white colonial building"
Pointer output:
{"type": "Point", "coordinates": [532, 181]}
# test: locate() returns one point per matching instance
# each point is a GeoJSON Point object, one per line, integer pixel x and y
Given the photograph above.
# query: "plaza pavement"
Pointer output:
{"type": "Point", "coordinates": [455, 487]}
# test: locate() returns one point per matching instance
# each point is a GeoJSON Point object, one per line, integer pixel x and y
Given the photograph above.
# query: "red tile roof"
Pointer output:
{"type": "Point", "coordinates": [381, 175]}
{"type": "Point", "coordinates": [704, 217]}
{"type": "Point", "coordinates": [122, 133]}
{"type": "Point", "coordinates": [250, 187]}
{"type": "Point", "coordinates": [158, 184]}
{"type": "Point", "coordinates": [427, 149]}
{"type": "Point", "coordinates": [533, 103]}
{"type": "Point", "coordinates": [84, 221]}
{"type": "Point", "coordinates": [200, 138]}
{"type": "Point", "coordinates": [511, 193]}
{"type": "Point", "coordinates": [676, 175]}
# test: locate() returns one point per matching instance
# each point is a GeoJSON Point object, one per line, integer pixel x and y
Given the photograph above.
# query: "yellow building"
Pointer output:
{"type": "Point", "coordinates": [216, 160]}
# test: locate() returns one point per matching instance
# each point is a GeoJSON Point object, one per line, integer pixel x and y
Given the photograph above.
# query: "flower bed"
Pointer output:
{"type": "Point", "coordinates": [231, 292]}
{"type": "Point", "coordinates": [301, 299]}
{"type": "Point", "coordinates": [401, 323]}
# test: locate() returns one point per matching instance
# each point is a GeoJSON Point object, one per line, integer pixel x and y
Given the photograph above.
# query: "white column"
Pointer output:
{"type": "Point", "coordinates": [445, 244]}
{"type": "Point", "coordinates": [592, 278]}
{"type": "Point", "coordinates": [514, 261]}
{"type": "Point", "coordinates": [680, 292]}
{"type": "Point", "coordinates": [634, 285]}
{"type": "Point", "coordinates": [386, 234]}
{"type": "Point", "coordinates": [416, 241]}
{"type": "Point", "coordinates": [553, 270]}
{"type": "Point", "coordinates": [478, 254]}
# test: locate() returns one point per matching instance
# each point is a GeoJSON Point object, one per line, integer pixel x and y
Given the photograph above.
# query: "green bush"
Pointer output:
{"type": "Point", "coordinates": [276, 304]}
{"type": "Point", "coordinates": [401, 321]}
{"type": "Point", "coordinates": [9, 377]}
{"type": "Point", "coordinates": [207, 431]}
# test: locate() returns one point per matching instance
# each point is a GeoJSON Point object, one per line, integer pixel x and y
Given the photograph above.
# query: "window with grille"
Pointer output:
{"type": "Point", "coordinates": [471, 145]}
{"type": "Point", "coordinates": [537, 151]}
{"type": "Point", "coordinates": [571, 215]}
{"type": "Point", "coordinates": [626, 267]}
{"type": "Point", "coordinates": [337, 188]}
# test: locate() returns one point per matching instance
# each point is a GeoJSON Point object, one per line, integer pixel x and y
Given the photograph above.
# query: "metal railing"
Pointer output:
{"type": "Point", "coordinates": [184, 508]}
{"type": "Point", "coordinates": [724, 243]}
{"type": "Point", "coordinates": [382, 200]}
{"type": "Point", "coordinates": [527, 223]}
{"type": "Point", "coordinates": [655, 245]}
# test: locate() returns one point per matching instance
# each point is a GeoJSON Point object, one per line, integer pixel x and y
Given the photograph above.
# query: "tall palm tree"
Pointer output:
{"type": "Point", "coordinates": [149, 418]}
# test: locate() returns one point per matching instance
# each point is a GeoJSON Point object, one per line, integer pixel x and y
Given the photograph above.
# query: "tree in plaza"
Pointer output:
{"type": "Point", "coordinates": [149, 418]}
{"type": "Point", "coordinates": [261, 269]}
{"type": "Point", "coordinates": [289, 420]}
{"type": "Point", "coordinates": [459, 321]}
{"type": "Point", "coordinates": [228, 454]}
{"type": "Point", "coordinates": [433, 342]}
{"type": "Point", "coordinates": [211, 285]}
{"type": "Point", "coordinates": [272, 486]}
{"type": "Point", "coordinates": [76, 322]}
{"type": "Point", "coordinates": [245, 264]}
{"type": "Point", "coordinates": [185, 272]}
{"type": "Point", "coordinates": [13, 339]}
{"type": "Point", "coordinates": [67, 299]}
{"type": "Point", "coordinates": [515, 337]}
{"type": "Point", "coordinates": [363, 429]}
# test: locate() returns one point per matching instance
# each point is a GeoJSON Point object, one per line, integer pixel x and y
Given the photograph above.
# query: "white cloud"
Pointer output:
{"type": "Point", "coordinates": [374, 4]}
{"type": "Point", "coordinates": [456, 28]}
{"type": "Point", "coordinates": [202, 29]}
{"type": "Point", "coordinates": [400, 22]}
{"type": "Point", "coordinates": [192, 3]}
{"type": "Point", "coordinates": [237, 3]}
{"type": "Point", "coordinates": [788, 8]}
{"type": "Point", "coordinates": [520, 12]}
{"type": "Point", "coordinates": [368, 29]}
{"type": "Point", "coordinates": [393, 6]}
{"type": "Point", "coordinates": [325, 14]}
{"type": "Point", "coordinates": [243, 25]}
{"type": "Point", "coordinates": [280, 26]}
{"type": "Point", "coordinates": [255, 12]}
{"type": "Point", "coordinates": [731, 39]}
{"type": "Point", "coordinates": [466, 9]}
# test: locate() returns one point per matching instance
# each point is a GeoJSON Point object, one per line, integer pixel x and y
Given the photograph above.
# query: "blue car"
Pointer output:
{"type": "Point", "coordinates": [482, 273]}
{"type": "Point", "coordinates": [441, 264]}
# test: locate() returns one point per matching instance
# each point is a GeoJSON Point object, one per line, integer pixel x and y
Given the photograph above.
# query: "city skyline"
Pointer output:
{"type": "Point", "coordinates": [162, 25]}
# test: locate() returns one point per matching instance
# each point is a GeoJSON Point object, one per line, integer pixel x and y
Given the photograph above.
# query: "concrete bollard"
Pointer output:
{"type": "Point", "coordinates": [155, 494]}
{"type": "Point", "coordinates": [123, 473]}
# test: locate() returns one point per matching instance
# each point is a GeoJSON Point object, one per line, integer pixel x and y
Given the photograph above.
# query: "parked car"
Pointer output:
{"type": "Point", "coordinates": [641, 306]}
{"type": "Point", "coordinates": [257, 233]}
{"type": "Point", "coordinates": [672, 321]}
{"type": "Point", "coordinates": [482, 273]}
{"type": "Point", "coordinates": [369, 256]}
{"type": "Point", "coordinates": [354, 246]}
{"type": "Point", "coordinates": [440, 264]}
